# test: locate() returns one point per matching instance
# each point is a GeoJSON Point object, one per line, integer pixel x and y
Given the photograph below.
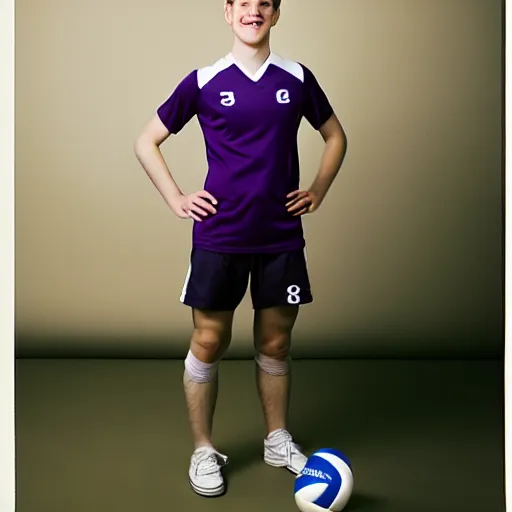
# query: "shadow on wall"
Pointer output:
{"type": "Point", "coordinates": [330, 347]}
{"type": "Point", "coordinates": [405, 254]}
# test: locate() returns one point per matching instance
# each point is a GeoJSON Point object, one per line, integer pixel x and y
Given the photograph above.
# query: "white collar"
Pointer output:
{"type": "Point", "coordinates": [261, 71]}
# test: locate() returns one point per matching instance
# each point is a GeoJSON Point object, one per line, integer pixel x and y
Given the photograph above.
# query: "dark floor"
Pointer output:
{"type": "Point", "coordinates": [108, 436]}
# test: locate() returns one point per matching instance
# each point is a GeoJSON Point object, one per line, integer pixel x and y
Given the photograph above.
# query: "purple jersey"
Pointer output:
{"type": "Point", "coordinates": [250, 125]}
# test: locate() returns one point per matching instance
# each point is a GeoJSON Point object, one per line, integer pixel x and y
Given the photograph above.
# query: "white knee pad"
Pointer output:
{"type": "Point", "coordinates": [199, 371]}
{"type": "Point", "coordinates": [275, 367]}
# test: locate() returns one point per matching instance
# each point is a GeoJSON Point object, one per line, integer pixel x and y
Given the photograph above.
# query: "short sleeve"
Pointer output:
{"type": "Point", "coordinates": [317, 108]}
{"type": "Point", "coordinates": [179, 108]}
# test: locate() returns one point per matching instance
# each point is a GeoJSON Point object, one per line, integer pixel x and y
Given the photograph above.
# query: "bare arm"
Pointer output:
{"type": "Point", "coordinates": [147, 150]}
{"type": "Point", "coordinates": [332, 158]}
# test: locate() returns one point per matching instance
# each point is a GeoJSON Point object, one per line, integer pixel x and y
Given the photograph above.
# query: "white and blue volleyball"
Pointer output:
{"type": "Point", "coordinates": [325, 483]}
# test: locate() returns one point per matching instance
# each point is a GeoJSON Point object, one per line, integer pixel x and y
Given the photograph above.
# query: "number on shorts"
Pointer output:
{"type": "Point", "coordinates": [293, 294]}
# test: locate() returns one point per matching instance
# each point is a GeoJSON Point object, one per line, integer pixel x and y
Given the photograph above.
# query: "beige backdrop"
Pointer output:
{"type": "Point", "coordinates": [405, 254]}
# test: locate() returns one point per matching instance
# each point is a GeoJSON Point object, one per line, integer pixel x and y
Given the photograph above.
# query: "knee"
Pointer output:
{"type": "Point", "coordinates": [206, 350]}
{"type": "Point", "coordinates": [209, 345]}
{"type": "Point", "coordinates": [273, 356]}
{"type": "Point", "coordinates": [275, 347]}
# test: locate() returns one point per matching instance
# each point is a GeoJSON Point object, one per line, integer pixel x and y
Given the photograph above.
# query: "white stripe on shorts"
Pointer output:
{"type": "Point", "coordinates": [307, 269]}
{"type": "Point", "coordinates": [187, 279]}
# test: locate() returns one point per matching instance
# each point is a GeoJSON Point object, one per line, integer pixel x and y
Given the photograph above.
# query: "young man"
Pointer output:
{"type": "Point", "coordinates": [247, 220]}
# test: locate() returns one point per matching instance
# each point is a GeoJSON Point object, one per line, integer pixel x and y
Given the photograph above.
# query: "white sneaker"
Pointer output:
{"type": "Point", "coordinates": [205, 471]}
{"type": "Point", "coordinates": [281, 451]}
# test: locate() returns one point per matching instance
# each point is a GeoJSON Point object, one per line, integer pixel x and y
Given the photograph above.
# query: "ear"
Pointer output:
{"type": "Point", "coordinates": [275, 17]}
{"type": "Point", "coordinates": [228, 12]}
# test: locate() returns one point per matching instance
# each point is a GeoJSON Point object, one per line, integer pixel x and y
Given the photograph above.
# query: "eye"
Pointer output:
{"type": "Point", "coordinates": [265, 4]}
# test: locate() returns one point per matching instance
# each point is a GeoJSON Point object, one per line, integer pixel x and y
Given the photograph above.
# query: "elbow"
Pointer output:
{"type": "Point", "coordinates": [137, 145]}
{"type": "Point", "coordinates": [344, 141]}
{"type": "Point", "coordinates": [341, 140]}
{"type": "Point", "coordinates": [141, 144]}
{"type": "Point", "coordinates": [341, 135]}
{"type": "Point", "coordinates": [337, 143]}
{"type": "Point", "coordinates": [338, 140]}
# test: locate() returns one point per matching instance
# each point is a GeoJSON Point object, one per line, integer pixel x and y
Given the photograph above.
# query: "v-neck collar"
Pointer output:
{"type": "Point", "coordinates": [261, 71]}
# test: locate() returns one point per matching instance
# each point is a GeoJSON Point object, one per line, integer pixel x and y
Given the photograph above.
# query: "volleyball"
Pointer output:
{"type": "Point", "coordinates": [325, 483]}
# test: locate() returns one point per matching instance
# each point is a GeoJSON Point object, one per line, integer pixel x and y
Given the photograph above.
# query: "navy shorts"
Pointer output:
{"type": "Point", "coordinates": [218, 282]}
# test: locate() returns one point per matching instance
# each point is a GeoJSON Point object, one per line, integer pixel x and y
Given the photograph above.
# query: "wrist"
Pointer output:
{"type": "Point", "coordinates": [317, 194]}
{"type": "Point", "coordinates": [174, 200]}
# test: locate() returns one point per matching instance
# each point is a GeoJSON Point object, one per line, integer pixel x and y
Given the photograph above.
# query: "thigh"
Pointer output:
{"type": "Point", "coordinates": [280, 280]}
{"type": "Point", "coordinates": [215, 281]}
{"type": "Point", "coordinates": [273, 328]}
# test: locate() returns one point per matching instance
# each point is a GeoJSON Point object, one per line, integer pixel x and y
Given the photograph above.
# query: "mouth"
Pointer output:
{"type": "Point", "coordinates": [252, 23]}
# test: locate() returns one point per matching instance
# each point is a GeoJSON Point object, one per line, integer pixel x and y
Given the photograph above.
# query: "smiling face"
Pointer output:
{"type": "Point", "coordinates": [251, 20]}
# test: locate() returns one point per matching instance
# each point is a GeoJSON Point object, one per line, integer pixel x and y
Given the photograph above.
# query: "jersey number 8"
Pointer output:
{"type": "Point", "coordinates": [293, 294]}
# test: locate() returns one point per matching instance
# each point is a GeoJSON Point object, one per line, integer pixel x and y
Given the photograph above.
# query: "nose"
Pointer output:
{"type": "Point", "coordinates": [254, 8]}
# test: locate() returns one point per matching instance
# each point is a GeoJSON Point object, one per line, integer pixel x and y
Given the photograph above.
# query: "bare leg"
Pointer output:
{"type": "Point", "coordinates": [272, 338]}
{"type": "Point", "coordinates": [210, 339]}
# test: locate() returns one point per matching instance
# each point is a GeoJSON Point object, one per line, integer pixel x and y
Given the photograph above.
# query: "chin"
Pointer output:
{"type": "Point", "coordinates": [253, 40]}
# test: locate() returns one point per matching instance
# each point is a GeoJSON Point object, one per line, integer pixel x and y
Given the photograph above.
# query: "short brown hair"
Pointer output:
{"type": "Point", "coordinates": [276, 3]}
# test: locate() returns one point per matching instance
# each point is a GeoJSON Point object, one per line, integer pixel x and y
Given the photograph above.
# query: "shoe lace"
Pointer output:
{"type": "Point", "coordinates": [285, 440]}
{"type": "Point", "coordinates": [209, 463]}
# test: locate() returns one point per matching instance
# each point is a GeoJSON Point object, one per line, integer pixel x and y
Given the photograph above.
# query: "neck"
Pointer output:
{"type": "Point", "coordinates": [251, 57]}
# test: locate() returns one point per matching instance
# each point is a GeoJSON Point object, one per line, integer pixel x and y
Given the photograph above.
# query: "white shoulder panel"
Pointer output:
{"type": "Point", "coordinates": [294, 68]}
{"type": "Point", "coordinates": [205, 75]}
